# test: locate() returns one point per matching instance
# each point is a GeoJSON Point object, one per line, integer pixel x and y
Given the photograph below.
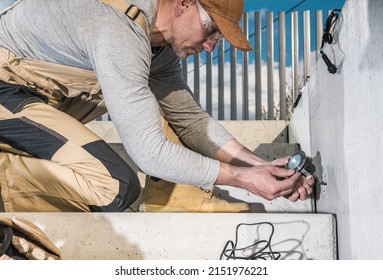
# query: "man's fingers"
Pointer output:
{"type": "Point", "coordinates": [310, 180]}
{"type": "Point", "coordinates": [281, 172]}
{"type": "Point", "coordinates": [281, 162]}
{"type": "Point", "coordinates": [302, 187]}
{"type": "Point", "coordinates": [303, 193]}
{"type": "Point", "coordinates": [294, 196]}
{"type": "Point", "coordinates": [308, 188]}
{"type": "Point", "coordinates": [286, 186]}
{"type": "Point", "coordinates": [309, 183]}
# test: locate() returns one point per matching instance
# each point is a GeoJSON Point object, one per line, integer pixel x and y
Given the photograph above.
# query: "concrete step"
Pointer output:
{"type": "Point", "coordinates": [252, 133]}
{"type": "Point", "coordinates": [184, 236]}
{"type": "Point", "coordinates": [255, 135]}
{"type": "Point", "coordinates": [272, 151]}
{"type": "Point", "coordinates": [274, 133]}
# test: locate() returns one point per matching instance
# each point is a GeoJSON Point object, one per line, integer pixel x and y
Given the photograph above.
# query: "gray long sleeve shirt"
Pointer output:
{"type": "Point", "coordinates": [136, 80]}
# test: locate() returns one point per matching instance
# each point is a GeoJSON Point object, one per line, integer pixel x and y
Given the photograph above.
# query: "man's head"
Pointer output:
{"type": "Point", "coordinates": [226, 15]}
{"type": "Point", "coordinates": [190, 26]}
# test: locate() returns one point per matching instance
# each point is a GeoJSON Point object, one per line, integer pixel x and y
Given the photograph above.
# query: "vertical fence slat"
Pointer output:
{"type": "Point", "coordinates": [233, 83]}
{"type": "Point", "coordinates": [295, 53]}
{"type": "Point", "coordinates": [306, 45]}
{"type": "Point", "coordinates": [221, 81]}
{"type": "Point", "coordinates": [258, 65]}
{"type": "Point", "coordinates": [209, 84]}
{"type": "Point", "coordinates": [282, 65]}
{"type": "Point", "coordinates": [270, 66]}
{"type": "Point", "coordinates": [245, 71]}
{"type": "Point", "coordinates": [184, 64]}
{"type": "Point", "coordinates": [319, 31]}
{"type": "Point", "coordinates": [196, 76]}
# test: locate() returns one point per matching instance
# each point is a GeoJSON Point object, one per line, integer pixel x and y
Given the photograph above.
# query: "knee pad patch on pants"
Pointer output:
{"type": "Point", "coordinates": [15, 97]}
{"type": "Point", "coordinates": [129, 187]}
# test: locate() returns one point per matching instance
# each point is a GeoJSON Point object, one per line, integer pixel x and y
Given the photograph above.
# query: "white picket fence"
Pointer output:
{"type": "Point", "coordinates": [231, 84]}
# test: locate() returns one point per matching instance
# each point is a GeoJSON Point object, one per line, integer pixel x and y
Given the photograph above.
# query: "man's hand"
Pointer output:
{"type": "Point", "coordinates": [270, 181]}
{"type": "Point", "coordinates": [242, 168]}
{"type": "Point", "coordinates": [303, 187]}
{"type": "Point", "coordinates": [267, 181]}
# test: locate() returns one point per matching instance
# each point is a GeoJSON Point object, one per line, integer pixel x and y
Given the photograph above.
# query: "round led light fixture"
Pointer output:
{"type": "Point", "coordinates": [300, 163]}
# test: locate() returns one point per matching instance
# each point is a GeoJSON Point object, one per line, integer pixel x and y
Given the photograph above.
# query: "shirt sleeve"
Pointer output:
{"type": "Point", "coordinates": [121, 54]}
{"type": "Point", "coordinates": [191, 123]}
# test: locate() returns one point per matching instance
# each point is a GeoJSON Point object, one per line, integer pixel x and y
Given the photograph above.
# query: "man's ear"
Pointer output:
{"type": "Point", "coordinates": [185, 5]}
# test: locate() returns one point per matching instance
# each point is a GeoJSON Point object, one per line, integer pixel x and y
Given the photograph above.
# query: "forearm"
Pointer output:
{"type": "Point", "coordinates": [235, 154]}
{"type": "Point", "coordinates": [230, 175]}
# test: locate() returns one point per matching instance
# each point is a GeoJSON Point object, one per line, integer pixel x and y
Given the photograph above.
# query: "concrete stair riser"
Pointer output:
{"type": "Point", "coordinates": [183, 236]}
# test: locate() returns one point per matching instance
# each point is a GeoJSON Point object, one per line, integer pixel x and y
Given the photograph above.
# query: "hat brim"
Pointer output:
{"type": "Point", "coordinates": [232, 32]}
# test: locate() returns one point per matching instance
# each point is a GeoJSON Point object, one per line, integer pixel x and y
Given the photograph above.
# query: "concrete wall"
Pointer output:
{"type": "Point", "coordinates": [339, 123]}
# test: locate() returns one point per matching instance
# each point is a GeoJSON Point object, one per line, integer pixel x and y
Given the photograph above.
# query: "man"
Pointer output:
{"type": "Point", "coordinates": [64, 62]}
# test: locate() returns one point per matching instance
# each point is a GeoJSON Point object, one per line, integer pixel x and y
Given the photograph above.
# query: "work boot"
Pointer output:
{"type": "Point", "coordinates": [164, 196]}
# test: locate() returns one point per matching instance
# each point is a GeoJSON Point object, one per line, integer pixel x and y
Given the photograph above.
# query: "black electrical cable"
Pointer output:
{"type": "Point", "coordinates": [328, 38]}
{"type": "Point", "coordinates": [262, 253]}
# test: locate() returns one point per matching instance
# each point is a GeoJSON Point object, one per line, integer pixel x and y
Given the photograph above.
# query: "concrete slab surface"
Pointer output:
{"type": "Point", "coordinates": [183, 236]}
{"type": "Point", "coordinates": [253, 133]}
{"type": "Point", "coordinates": [248, 133]}
{"type": "Point", "coordinates": [272, 151]}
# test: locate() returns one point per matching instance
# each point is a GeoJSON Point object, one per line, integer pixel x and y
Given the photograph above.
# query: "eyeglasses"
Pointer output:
{"type": "Point", "coordinates": [211, 29]}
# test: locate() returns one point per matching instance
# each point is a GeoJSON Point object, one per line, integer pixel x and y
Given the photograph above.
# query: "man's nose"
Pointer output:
{"type": "Point", "coordinates": [209, 45]}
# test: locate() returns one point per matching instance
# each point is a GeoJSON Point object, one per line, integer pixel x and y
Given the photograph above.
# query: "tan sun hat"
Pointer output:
{"type": "Point", "coordinates": [226, 15]}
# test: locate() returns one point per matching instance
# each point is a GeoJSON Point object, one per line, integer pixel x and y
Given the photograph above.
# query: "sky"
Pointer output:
{"type": "Point", "coordinates": [284, 5]}
{"type": "Point", "coordinates": [5, 3]}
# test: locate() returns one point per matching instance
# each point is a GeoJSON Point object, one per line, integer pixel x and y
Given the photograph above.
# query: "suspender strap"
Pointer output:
{"type": "Point", "coordinates": [129, 10]}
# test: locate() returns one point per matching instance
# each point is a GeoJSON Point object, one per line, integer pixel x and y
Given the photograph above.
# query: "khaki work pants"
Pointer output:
{"type": "Point", "coordinates": [49, 161]}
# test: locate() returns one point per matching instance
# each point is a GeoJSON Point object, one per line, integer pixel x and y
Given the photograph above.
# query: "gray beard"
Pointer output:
{"type": "Point", "coordinates": [179, 51]}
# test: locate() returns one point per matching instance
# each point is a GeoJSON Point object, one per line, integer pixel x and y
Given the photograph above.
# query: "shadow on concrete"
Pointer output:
{"type": "Point", "coordinates": [255, 241]}
{"type": "Point", "coordinates": [318, 174]}
{"type": "Point", "coordinates": [255, 207]}
{"type": "Point", "coordinates": [92, 238]}
{"type": "Point", "coordinates": [295, 250]}
{"type": "Point", "coordinates": [274, 151]}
